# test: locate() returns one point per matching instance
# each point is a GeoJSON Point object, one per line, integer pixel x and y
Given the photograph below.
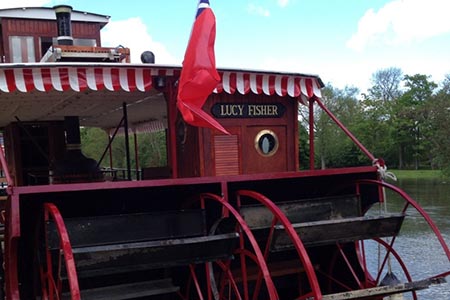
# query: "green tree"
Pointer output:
{"type": "Point", "coordinates": [440, 127]}
{"type": "Point", "coordinates": [151, 148]}
{"type": "Point", "coordinates": [303, 145]}
{"type": "Point", "coordinates": [386, 84]}
{"type": "Point", "coordinates": [333, 147]}
{"type": "Point", "coordinates": [93, 141]}
{"type": "Point", "coordinates": [412, 122]}
{"type": "Point", "coordinates": [379, 129]}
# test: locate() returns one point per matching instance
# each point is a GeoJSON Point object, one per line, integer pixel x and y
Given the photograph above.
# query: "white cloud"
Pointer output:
{"type": "Point", "coordinates": [402, 21]}
{"type": "Point", "coordinates": [258, 10]}
{"type": "Point", "coordinates": [132, 33]}
{"type": "Point", "coordinates": [23, 3]}
{"type": "Point", "coordinates": [283, 3]}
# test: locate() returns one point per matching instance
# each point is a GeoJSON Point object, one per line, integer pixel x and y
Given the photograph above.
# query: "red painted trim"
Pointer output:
{"type": "Point", "coordinates": [171, 98]}
{"type": "Point", "coordinates": [4, 167]}
{"type": "Point", "coordinates": [311, 134]}
{"type": "Point", "coordinates": [11, 275]}
{"type": "Point", "coordinates": [189, 181]}
{"type": "Point", "coordinates": [52, 211]}
{"type": "Point", "coordinates": [12, 235]}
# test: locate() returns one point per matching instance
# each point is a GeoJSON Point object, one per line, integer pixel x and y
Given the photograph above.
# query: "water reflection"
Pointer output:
{"type": "Point", "coordinates": [417, 244]}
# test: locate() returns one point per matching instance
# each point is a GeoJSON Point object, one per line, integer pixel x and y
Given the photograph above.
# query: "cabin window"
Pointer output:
{"type": "Point", "coordinates": [22, 49]}
{"type": "Point", "coordinates": [46, 43]}
{"type": "Point", "coordinates": [266, 142]}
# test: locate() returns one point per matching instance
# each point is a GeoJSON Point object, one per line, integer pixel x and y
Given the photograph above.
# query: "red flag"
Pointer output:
{"type": "Point", "coordinates": [199, 76]}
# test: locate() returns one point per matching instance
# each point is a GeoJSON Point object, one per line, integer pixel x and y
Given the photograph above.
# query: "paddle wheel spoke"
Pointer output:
{"type": "Point", "coordinates": [365, 275]}
{"type": "Point", "coordinates": [280, 221]}
{"type": "Point", "coordinates": [411, 202]}
{"type": "Point", "coordinates": [55, 258]}
{"type": "Point", "coordinates": [221, 282]}
{"type": "Point", "coordinates": [349, 265]}
{"type": "Point", "coordinates": [246, 276]}
{"type": "Point", "coordinates": [226, 280]}
{"type": "Point", "coordinates": [384, 265]}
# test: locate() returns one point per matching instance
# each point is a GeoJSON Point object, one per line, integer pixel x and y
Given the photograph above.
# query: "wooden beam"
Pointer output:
{"type": "Point", "coordinates": [385, 290]}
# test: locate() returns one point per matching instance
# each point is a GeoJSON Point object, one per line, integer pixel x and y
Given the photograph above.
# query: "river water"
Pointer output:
{"type": "Point", "coordinates": [416, 243]}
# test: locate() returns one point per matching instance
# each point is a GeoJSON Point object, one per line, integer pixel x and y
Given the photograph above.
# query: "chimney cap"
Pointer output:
{"type": "Point", "coordinates": [62, 8]}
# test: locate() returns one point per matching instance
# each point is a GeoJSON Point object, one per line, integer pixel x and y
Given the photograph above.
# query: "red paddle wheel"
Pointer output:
{"type": "Point", "coordinates": [249, 278]}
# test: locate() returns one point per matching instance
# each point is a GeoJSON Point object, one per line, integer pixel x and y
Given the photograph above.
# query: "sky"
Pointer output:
{"type": "Point", "coordinates": [342, 41]}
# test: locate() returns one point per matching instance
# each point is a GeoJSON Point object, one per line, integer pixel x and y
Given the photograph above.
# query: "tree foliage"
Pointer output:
{"type": "Point", "coordinates": [386, 84]}
{"type": "Point", "coordinates": [151, 151]}
{"type": "Point", "coordinates": [402, 119]}
{"type": "Point", "coordinates": [333, 148]}
{"type": "Point", "coordinates": [440, 128]}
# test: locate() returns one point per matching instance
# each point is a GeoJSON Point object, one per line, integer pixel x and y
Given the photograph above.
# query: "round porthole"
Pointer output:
{"type": "Point", "coordinates": [266, 142]}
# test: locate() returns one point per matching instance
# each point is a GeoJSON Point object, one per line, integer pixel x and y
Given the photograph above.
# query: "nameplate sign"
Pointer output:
{"type": "Point", "coordinates": [245, 110]}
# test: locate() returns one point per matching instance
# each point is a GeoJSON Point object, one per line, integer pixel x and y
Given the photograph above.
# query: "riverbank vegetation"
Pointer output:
{"type": "Point", "coordinates": [402, 119]}
{"type": "Point", "coordinates": [418, 174]}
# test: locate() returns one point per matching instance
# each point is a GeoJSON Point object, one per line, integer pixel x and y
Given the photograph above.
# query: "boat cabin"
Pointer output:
{"type": "Point", "coordinates": [259, 109]}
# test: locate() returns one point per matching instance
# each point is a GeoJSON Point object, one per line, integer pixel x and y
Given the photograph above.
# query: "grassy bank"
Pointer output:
{"type": "Point", "coordinates": [406, 174]}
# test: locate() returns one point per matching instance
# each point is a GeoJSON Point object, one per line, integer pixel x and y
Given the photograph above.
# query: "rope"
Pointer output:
{"type": "Point", "coordinates": [382, 170]}
{"type": "Point", "coordinates": [384, 174]}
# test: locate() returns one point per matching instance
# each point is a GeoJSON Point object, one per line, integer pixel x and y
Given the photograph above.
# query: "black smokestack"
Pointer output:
{"type": "Point", "coordinates": [72, 126]}
{"type": "Point", "coordinates": [64, 23]}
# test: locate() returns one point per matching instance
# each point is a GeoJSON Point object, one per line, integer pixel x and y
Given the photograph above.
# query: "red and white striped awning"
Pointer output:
{"type": "Point", "coordinates": [96, 92]}
{"type": "Point", "coordinates": [79, 77]}
{"type": "Point", "coordinates": [268, 84]}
